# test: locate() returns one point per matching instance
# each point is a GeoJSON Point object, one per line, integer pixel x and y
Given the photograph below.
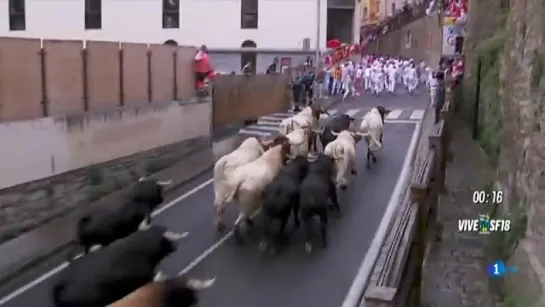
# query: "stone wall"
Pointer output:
{"type": "Point", "coordinates": [53, 165]}
{"type": "Point", "coordinates": [508, 37]}
{"type": "Point", "coordinates": [420, 40]}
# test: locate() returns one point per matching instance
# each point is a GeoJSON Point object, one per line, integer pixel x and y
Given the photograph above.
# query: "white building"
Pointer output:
{"type": "Point", "coordinates": [273, 26]}
{"type": "Point", "coordinates": [281, 24]}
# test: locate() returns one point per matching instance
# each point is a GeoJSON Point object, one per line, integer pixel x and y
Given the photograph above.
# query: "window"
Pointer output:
{"type": "Point", "coordinates": [249, 14]}
{"type": "Point", "coordinates": [171, 14]}
{"type": "Point", "coordinates": [17, 18]}
{"type": "Point", "coordinates": [93, 14]}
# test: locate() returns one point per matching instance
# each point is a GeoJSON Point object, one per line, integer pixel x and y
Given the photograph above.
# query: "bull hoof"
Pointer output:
{"type": "Point", "coordinates": [374, 160]}
{"type": "Point", "coordinates": [308, 248]}
{"type": "Point", "coordinates": [238, 236]}
{"type": "Point", "coordinates": [220, 227]}
{"type": "Point", "coordinates": [368, 166]}
{"type": "Point", "coordinates": [354, 172]}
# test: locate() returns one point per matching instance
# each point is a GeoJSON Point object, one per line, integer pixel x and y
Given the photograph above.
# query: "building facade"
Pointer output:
{"type": "Point", "coordinates": [381, 9]}
{"type": "Point", "coordinates": [291, 29]}
{"type": "Point", "coordinates": [220, 24]}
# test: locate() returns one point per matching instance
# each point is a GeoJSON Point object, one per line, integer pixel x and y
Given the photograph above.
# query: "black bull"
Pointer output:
{"type": "Point", "coordinates": [337, 124]}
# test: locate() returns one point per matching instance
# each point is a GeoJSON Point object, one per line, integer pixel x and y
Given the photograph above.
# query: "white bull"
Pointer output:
{"type": "Point", "coordinates": [248, 181]}
{"type": "Point", "coordinates": [247, 152]}
{"type": "Point", "coordinates": [300, 141]}
{"type": "Point", "coordinates": [372, 126]}
{"type": "Point", "coordinates": [307, 118]}
{"type": "Point", "coordinates": [343, 151]}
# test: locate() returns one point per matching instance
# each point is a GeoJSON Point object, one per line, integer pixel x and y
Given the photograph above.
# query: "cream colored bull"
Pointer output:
{"type": "Point", "coordinates": [343, 151]}
{"type": "Point", "coordinates": [372, 126]}
{"type": "Point", "coordinates": [246, 183]}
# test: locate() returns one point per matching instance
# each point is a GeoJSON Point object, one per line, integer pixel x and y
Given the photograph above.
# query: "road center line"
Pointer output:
{"type": "Point", "coordinates": [63, 265]}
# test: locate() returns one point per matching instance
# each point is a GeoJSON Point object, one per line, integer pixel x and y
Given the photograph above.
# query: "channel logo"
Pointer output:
{"type": "Point", "coordinates": [498, 269]}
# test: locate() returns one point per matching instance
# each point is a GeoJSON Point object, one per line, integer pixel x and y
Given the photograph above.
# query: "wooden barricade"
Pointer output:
{"type": "Point", "coordinates": [396, 279]}
{"type": "Point", "coordinates": [41, 78]}
{"type": "Point", "coordinates": [237, 98]}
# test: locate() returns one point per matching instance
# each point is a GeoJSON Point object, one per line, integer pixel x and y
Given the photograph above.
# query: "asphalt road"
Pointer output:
{"type": "Point", "coordinates": [292, 278]}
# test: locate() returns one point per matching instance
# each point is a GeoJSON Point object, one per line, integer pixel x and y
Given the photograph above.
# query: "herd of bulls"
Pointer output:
{"type": "Point", "coordinates": [279, 177]}
{"type": "Point", "coordinates": [123, 272]}
{"type": "Point", "coordinates": [288, 175]}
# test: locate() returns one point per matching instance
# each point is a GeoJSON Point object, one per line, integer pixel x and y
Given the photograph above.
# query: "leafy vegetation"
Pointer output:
{"type": "Point", "coordinates": [490, 114]}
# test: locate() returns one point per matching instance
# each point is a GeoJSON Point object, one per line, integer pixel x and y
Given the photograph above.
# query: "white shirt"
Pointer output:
{"type": "Point", "coordinates": [433, 82]}
{"type": "Point", "coordinates": [359, 72]}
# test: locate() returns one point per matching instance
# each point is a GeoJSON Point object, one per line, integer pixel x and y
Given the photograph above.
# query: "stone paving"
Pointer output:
{"type": "Point", "coordinates": [454, 273]}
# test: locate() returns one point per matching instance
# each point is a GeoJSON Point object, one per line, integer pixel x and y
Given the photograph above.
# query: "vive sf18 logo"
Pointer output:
{"type": "Point", "coordinates": [484, 225]}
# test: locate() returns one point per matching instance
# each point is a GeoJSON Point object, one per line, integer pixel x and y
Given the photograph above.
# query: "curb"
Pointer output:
{"type": "Point", "coordinates": [212, 153]}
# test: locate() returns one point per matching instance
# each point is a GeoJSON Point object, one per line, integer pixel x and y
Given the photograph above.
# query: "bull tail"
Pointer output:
{"type": "Point", "coordinates": [57, 290]}
{"type": "Point", "coordinates": [374, 144]}
{"type": "Point", "coordinates": [338, 151]}
{"type": "Point", "coordinates": [80, 241]}
{"type": "Point", "coordinates": [233, 193]}
{"type": "Point", "coordinates": [81, 227]}
{"type": "Point", "coordinates": [219, 179]}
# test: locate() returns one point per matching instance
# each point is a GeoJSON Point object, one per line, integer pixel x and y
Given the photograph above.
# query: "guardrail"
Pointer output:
{"type": "Point", "coordinates": [396, 278]}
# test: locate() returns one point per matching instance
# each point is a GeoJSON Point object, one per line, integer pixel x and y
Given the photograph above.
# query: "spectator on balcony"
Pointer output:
{"type": "Point", "coordinates": [272, 69]}
{"type": "Point", "coordinates": [247, 69]}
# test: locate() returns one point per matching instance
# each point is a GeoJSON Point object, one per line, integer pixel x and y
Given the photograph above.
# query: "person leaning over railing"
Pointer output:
{"type": "Point", "coordinates": [439, 94]}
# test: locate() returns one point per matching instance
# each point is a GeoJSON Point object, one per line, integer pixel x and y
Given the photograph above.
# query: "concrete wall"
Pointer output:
{"type": "Point", "coordinates": [74, 161]}
{"type": "Point", "coordinates": [424, 43]}
{"type": "Point", "coordinates": [45, 147]}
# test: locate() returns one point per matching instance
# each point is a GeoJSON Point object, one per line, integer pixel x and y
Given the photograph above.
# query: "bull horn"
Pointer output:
{"type": "Point", "coordinates": [334, 133]}
{"type": "Point", "coordinates": [266, 143]}
{"type": "Point", "coordinates": [319, 131]}
{"type": "Point", "coordinates": [143, 178]}
{"type": "Point", "coordinates": [173, 237]}
{"type": "Point", "coordinates": [159, 276]}
{"type": "Point", "coordinates": [197, 284]}
{"type": "Point", "coordinates": [168, 182]}
{"type": "Point", "coordinates": [362, 134]}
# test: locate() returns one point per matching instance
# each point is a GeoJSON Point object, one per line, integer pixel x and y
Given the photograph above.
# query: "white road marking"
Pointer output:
{"type": "Point", "coordinates": [401, 121]}
{"type": "Point", "coordinates": [63, 265]}
{"type": "Point", "coordinates": [362, 277]}
{"type": "Point", "coordinates": [331, 113]}
{"type": "Point", "coordinates": [353, 296]}
{"type": "Point", "coordinates": [394, 114]}
{"type": "Point", "coordinates": [253, 132]}
{"type": "Point", "coordinates": [264, 127]}
{"type": "Point", "coordinates": [270, 118]}
{"type": "Point", "coordinates": [210, 250]}
{"type": "Point", "coordinates": [352, 112]}
{"type": "Point", "coordinates": [417, 114]}
{"type": "Point", "coordinates": [282, 115]}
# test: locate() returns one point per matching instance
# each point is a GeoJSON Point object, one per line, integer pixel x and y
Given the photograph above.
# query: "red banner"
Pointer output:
{"type": "Point", "coordinates": [344, 52]}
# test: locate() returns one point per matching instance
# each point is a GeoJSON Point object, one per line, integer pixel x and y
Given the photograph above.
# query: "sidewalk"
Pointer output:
{"type": "Point", "coordinates": [454, 273]}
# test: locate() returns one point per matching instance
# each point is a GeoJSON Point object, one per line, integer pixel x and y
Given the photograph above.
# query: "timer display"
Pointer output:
{"type": "Point", "coordinates": [482, 197]}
